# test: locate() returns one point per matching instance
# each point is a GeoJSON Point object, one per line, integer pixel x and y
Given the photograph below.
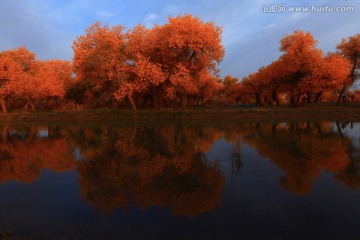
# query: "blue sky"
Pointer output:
{"type": "Point", "coordinates": [250, 36]}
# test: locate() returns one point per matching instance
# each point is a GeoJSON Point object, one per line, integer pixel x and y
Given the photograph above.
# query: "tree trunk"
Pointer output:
{"type": "Point", "coordinates": [293, 99]}
{"type": "Point", "coordinates": [258, 98]}
{"type": "Point", "coordinates": [275, 97]}
{"type": "Point", "coordinates": [3, 105]}
{"type": "Point", "coordinates": [265, 101]}
{"type": "Point", "coordinates": [341, 93]}
{"type": "Point", "coordinates": [197, 101]}
{"type": "Point", "coordinates": [317, 97]}
{"type": "Point", "coordinates": [155, 98]}
{"type": "Point", "coordinates": [48, 103]}
{"type": "Point", "coordinates": [145, 100]}
{"type": "Point", "coordinates": [298, 99]}
{"type": "Point", "coordinates": [29, 103]}
{"type": "Point", "coordinates": [308, 97]}
{"type": "Point", "coordinates": [183, 101]}
{"type": "Point", "coordinates": [131, 100]}
{"type": "Point", "coordinates": [273, 128]}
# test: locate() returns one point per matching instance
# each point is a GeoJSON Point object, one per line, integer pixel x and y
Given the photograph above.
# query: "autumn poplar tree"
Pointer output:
{"type": "Point", "coordinates": [172, 58]}
{"type": "Point", "coordinates": [277, 79]}
{"type": "Point", "coordinates": [331, 74]}
{"type": "Point", "coordinates": [350, 49]}
{"type": "Point", "coordinates": [144, 73]}
{"type": "Point", "coordinates": [188, 47]}
{"type": "Point", "coordinates": [19, 81]}
{"type": "Point", "coordinates": [301, 56]}
{"type": "Point", "coordinates": [229, 83]}
{"type": "Point", "coordinates": [209, 87]}
{"type": "Point", "coordinates": [98, 61]}
{"type": "Point", "coordinates": [258, 83]}
{"type": "Point", "coordinates": [10, 74]}
{"type": "Point", "coordinates": [51, 79]}
{"type": "Point", "coordinates": [24, 77]}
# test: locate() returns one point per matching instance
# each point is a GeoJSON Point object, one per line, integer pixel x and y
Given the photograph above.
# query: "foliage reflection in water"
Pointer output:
{"type": "Point", "coordinates": [173, 167]}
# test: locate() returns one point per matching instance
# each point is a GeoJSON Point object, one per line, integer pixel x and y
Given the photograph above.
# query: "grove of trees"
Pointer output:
{"type": "Point", "coordinates": [174, 65]}
{"type": "Point", "coordinates": [28, 80]}
{"type": "Point", "coordinates": [157, 67]}
{"type": "Point", "coordinates": [303, 73]}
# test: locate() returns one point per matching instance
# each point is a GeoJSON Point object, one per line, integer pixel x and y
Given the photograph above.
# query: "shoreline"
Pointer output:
{"type": "Point", "coordinates": [312, 112]}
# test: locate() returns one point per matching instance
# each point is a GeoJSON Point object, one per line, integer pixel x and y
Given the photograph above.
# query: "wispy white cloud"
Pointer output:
{"type": "Point", "coordinates": [104, 14]}
{"type": "Point", "coordinates": [150, 19]}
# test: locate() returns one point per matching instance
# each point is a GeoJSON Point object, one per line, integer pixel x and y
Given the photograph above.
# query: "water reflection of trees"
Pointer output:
{"type": "Point", "coordinates": [149, 166]}
{"type": "Point", "coordinates": [146, 166]}
{"type": "Point", "coordinates": [351, 174]}
{"type": "Point", "coordinates": [121, 167]}
{"type": "Point", "coordinates": [24, 152]}
{"type": "Point", "coordinates": [303, 151]}
{"type": "Point", "coordinates": [233, 136]}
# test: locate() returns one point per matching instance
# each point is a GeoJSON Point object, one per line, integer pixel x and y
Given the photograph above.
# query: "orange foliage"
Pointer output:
{"type": "Point", "coordinates": [51, 78]}
{"type": "Point", "coordinates": [302, 69]}
{"type": "Point", "coordinates": [302, 57]}
{"type": "Point", "coordinates": [169, 171]}
{"type": "Point", "coordinates": [175, 64]}
{"type": "Point", "coordinates": [145, 75]}
{"type": "Point", "coordinates": [98, 54]}
{"type": "Point", "coordinates": [331, 74]}
{"type": "Point", "coordinates": [165, 62]}
{"type": "Point", "coordinates": [24, 160]}
{"type": "Point", "coordinates": [302, 151]}
{"type": "Point", "coordinates": [350, 49]}
{"type": "Point", "coordinates": [173, 59]}
{"type": "Point", "coordinates": [22, 56]}
{"type": "Point", "coordinates": [11, 75]}
{"type": "Point", "coordinates": [25, 78]}
{"type": "Point", "coordinates": [99, 58]}
{"type": "Point", "coordinates": [191, 42]}
{"type": "Point", "coordinates": [208, 88]}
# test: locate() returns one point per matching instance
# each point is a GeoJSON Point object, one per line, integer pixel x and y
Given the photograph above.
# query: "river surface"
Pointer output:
{"type": "Point", "coordinates": [247, 180]}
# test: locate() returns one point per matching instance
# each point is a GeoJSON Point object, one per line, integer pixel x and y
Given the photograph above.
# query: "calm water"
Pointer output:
{"type": "Point", "coordinates": [239, 181]}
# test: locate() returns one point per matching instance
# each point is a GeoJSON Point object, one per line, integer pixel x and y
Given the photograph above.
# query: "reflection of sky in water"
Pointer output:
{"type": "Point", "coordinates": [352, 130]}
{"type": "Point", "coordinates": [15, 133]}
{"type": "Point", "coordinates": [77, 154]}
{"type": "Point", "coordinates": [43, 133]}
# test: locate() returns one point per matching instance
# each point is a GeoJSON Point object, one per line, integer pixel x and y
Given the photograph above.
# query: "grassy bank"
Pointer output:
{"type": "Point", "coordinates": [312, 112]}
